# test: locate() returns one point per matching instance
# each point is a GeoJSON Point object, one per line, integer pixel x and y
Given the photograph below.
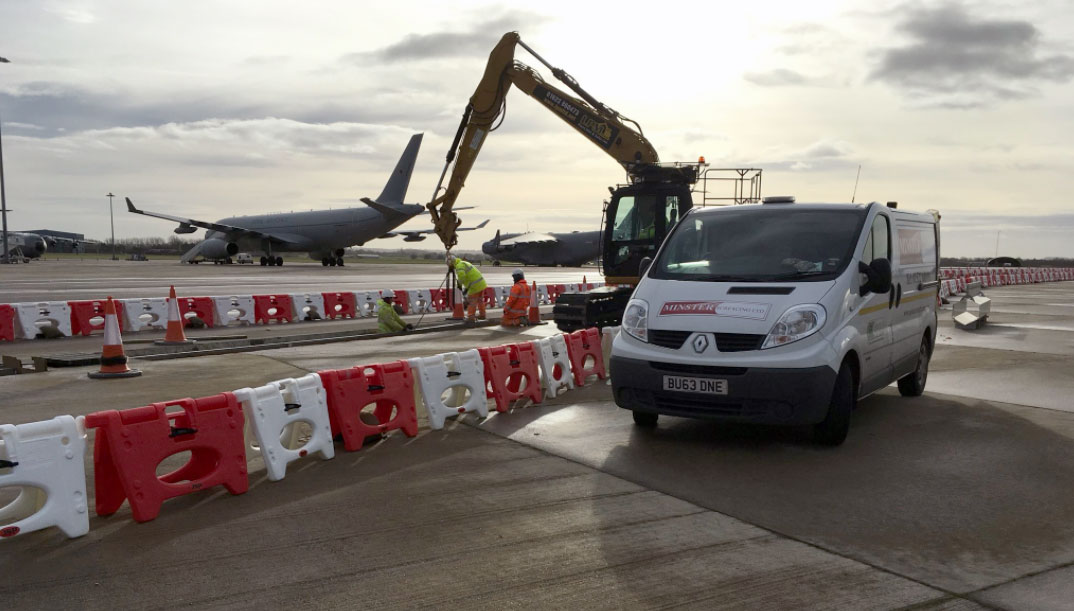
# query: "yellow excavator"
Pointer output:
{"type": "Point", "coordinates": [639, 214]}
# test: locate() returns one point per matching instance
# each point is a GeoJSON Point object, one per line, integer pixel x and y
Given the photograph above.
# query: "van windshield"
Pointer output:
{"type": "Point", "coordinates": [761, 245]}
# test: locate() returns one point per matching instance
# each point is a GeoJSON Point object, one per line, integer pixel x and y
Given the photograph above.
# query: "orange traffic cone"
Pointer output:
{"type": "Point", "coordinates": [113, 359]}
{"type": "Point", "coordinates": [174, 334]}
{"type": "Point", "coordinates": [534, 314]}
{"type": "Point", "coordinates": [457, 312]}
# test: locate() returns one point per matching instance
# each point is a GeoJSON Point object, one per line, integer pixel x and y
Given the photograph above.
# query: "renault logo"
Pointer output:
{"type": "Point", "coordinates": [700, 343]}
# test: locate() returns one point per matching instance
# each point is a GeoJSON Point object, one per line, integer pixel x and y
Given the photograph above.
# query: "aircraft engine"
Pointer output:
{"type": "Point", "coordinates": [185, 228]}
{"type": "Point", "coordinates": [219, 249]}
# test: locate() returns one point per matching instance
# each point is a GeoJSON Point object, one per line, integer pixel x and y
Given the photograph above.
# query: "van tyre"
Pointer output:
{"type": "Point", "coordinates": [646, 419]}
{"type": "Point", "coordinates": [832, 431]}
{"type": "Point", "coordinates": [913, 384]}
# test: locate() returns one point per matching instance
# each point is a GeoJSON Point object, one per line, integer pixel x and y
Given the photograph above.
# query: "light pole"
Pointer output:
{"type": "Point", "coordinates": [113, 219]}
{"type": "Point", "coordinates": [3, 197]}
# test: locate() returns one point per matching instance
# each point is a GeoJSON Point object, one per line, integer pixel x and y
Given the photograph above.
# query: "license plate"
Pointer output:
{"type": "Point", "coordinates": [705, 386]}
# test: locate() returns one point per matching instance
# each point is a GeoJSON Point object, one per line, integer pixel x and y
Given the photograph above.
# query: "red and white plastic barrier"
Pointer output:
{"type": "Point", "coordinates": [273, 413]}
{"type": "Point", "coordinates": [555, 364]}
{"type": "Point", "coordinates": [511, 373]}
{"type": "Point", "coordinates": [388, 387]}
{"type": "Point", "coordinates": [462, 373]}
{"type": "Point", "coordinates": [46, 459]}
{"type": "Point", "coordinates": [131, 443]}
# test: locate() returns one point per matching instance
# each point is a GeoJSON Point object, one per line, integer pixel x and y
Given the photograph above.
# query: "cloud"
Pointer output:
{"type": "Point", "coordinates": [820, 155]}
{"type": "Point", "coordinates": [476, 41]}
{"type": "Point", "coordinates": [776, 78]}
{"type": "Point", "coordinates": [263, 142]}
{"type": "Point", "coordinates": [75, 12]}
{"type": "Point", "coordinates": [957, 60]}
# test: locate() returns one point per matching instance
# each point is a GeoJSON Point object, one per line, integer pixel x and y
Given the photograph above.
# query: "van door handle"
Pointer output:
{"type": "Point", "coordinates": [898, 295]}
{"type": "Point", "coordinates": [891, 297]}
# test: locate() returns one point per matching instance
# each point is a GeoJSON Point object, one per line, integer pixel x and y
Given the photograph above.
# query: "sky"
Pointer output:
{"type": "Point", "coordinates": [211, 109]}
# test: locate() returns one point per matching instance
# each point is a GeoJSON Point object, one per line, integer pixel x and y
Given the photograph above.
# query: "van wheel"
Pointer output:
{"type": "Point", "coordinates": [646, 419]}
{"type": "Point", "coordinates": [913, 384]}
{"type": "Point", "coordinates": [832, 431]}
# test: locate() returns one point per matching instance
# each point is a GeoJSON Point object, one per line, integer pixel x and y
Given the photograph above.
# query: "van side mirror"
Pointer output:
{"type": "Point", "coordinates": [878, 277]}
{"type": "Point", "coordinates": [646, 263]}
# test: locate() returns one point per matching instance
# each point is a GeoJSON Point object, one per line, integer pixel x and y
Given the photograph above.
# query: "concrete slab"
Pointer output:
{"type": "Point", "coordinates": [933, 488]}
{"type": "Point", "coordinates": [1051, 590]}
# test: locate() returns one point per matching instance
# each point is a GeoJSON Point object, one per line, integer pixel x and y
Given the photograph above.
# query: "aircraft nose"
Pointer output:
{"type": "Point", "coordinates": [39, 246]}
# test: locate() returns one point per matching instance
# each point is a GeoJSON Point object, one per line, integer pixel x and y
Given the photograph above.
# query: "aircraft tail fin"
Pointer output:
{"type": "Point", "coordinates": [395, 190]}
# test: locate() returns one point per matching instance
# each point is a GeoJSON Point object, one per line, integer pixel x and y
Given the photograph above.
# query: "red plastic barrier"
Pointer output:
{"type": "Point", "coordinates": [581, 344]}
{"type": "Point", "coordinates": [340, 305]}
{"type": "Point", "coordinates": [131, 443]}
{"type": "Point", "coordinates": [439, 299]}
{"type": "Point", "coordinates": [388, 385]}
{"type": "Point", "coordinates": [84, 311]}
{"type": "Point", "coordinates": [7, 323]}
{"type": "Point", "coordinates": [202, 307]}
{"type": "Point", "coordinates": [403, 299]}
{"type": "Point", "coordinates": [555, 290]}
{"type": "Point", "coordinates": [506, 369]}
{"type": "Point", "coordinates": [264, 303]}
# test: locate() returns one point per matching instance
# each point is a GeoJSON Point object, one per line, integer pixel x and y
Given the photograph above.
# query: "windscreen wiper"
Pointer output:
{"type": "Point", "coordinates": [796, 275]}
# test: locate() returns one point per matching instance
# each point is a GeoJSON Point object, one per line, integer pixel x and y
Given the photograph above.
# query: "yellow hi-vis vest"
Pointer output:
{"type": "Point", "coordinates": [470, 280]}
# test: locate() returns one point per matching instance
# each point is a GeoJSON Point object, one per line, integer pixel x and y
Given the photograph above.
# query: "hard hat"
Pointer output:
{"type": "Point", "coordinates": [450, 259]}
{"type": "Point", "coordinates": [388, 296]}
{"type": "Point", "coordinates": [517, 274]}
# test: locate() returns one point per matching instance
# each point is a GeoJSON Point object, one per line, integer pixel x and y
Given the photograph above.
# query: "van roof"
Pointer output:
{"type": "Point", "coordinates": [905, 214]}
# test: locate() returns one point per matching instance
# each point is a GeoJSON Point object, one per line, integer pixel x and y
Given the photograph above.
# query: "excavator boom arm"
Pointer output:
{"type": "Point", "coordinates": [601, 125]}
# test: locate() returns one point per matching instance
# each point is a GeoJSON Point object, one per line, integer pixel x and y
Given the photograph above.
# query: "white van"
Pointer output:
{"type": "Point", "coordinates": [780, 313]}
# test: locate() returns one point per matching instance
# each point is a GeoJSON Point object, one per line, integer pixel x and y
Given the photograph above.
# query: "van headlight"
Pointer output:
{"type": "Point", "coordinates": [636, 320]}
{"type": "Point", "coordinates": [798, 322]}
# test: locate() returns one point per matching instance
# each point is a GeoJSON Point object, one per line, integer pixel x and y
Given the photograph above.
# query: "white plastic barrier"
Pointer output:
{"type": "Point", "coordinates": [148, 313]}
{"type": "Point", "coordinates": [607, 336]}
{"type": "Point", "coordinates": [233, 308]}
{"type": "Point", "coordinates": [305, 304]}
{"type": "Point", "coordinates": [555, 364]}
{"type": "Point", "coordinates": [460, 372]}
{"type": "Point", "coordinates": [421, 301]}
{"type": "Point", "coordinates": [273, 412]}
{"type": "Point", "coordinates": [45, 459]}
{"type": "Point", "coordinates": [367, 302]}
{"type": "Point", "coordinates": [56, 313]}
{"type": "Point", "coordinates": [542, 294]}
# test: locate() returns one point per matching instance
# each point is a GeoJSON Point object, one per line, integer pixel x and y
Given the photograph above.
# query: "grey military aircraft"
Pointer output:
{"type": "Point", "coordinates": [324, 234]}
{"type": "Point", "coordinates": [25, 246]}
{"type": "Point", "coordinates": [568, 249]}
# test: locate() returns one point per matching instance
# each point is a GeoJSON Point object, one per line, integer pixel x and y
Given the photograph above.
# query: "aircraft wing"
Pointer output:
{"type": "Point", "coordinates": [187, 225]}
{"type": "Point", "coordinates": [529, 238]}
{"type": "Point", "coordinates": [416, 235]}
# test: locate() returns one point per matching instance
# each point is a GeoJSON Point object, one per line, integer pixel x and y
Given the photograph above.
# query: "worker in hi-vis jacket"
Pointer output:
{"type": "Point", "coordinates": [472, 284]}
{"type": "Point", "coordinates": [514, 311]}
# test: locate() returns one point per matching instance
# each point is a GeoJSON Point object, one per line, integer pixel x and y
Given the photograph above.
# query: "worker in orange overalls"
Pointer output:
{"type": "Point", "coordinates": [514, 311]}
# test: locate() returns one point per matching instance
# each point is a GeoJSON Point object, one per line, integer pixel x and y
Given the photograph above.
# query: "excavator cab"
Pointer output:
{"type": "Point", "coordinates": [638, 218]}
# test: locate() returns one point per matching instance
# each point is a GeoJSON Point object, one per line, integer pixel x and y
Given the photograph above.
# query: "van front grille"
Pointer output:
{"type": "Point", "coordinates": [738, 342]}
{"type": "Point", "coordinates": [668, 339]}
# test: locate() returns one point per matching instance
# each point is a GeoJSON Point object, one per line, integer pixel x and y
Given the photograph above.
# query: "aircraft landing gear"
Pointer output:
{"type": "Point", "coordinates": [264, 261]}
{"type": "Point", "coordinates": [279, 261]}
{"type": "Point", "coordinates": [339, 262]}
{"type": "Point", "coordinates": [324, 261]}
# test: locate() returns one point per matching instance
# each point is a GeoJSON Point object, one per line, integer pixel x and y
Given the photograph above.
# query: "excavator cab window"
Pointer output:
{"type": "Point", "coordinates": [640, 219]}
